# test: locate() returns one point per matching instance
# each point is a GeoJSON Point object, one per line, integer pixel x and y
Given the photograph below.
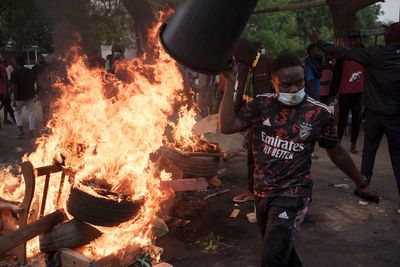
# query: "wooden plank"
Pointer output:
{"type": "Point", "coordinates": [28, 232]}
{"type": "Point", "coordinates": [71, 258]}
{"type": "Point", "coordinates": [290, 7]}
{"type": "Point", "coordinates": [44, 197]}
{"type": "Point", "coordinates": [9, 206]}
{"type": "Point", "coordinates": [40, 171]}
{"type": "Point", "coordinates": [29, 178]}
{"type": "Point", "coordinates": [189, 184]}
{"type": "Point", "coordinates": [121, 258]}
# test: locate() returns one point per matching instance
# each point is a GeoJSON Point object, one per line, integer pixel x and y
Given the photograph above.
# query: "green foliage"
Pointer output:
{"type": "Point", "coordinates": [23, 24]}
{"type": "Point", "coordinates": [285, 31]}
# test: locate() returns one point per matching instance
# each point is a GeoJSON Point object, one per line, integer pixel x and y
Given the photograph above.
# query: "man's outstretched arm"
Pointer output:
{"type": "Point", "coordinates": [228, 122]}
{"type": "Point", "coordinates": [345, 163]}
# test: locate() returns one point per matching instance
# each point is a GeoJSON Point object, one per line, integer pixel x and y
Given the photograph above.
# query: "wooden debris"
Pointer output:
{"type": "Point", "coordinates": [251, 217]}
{"type": "Point", "coordinates": [189, 184]}
{"type": "Point", "coordinates": [208, 124]}
{"type": "Point", "coordinates": [20, 236]}
{"type": "Point", "coordinates": [235, 213]}
{"type": "Point", "coordinates": [214, 181]}
{"type": "Point", "coordinates": [176, 222]}
{"type": "Point", "coordinates": [163, 264]}
{"type": "Point", "coordinates": [217, 194]}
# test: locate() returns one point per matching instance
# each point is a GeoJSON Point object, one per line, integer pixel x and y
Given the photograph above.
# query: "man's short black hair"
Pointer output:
{"type": "Point", "coordinates": [285, 60]}
{"type": "Point", "coordinates": [20, 60]}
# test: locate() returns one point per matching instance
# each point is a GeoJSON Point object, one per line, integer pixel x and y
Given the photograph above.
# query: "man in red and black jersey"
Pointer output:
{"type": "Point", "coordinates": [285, 128]}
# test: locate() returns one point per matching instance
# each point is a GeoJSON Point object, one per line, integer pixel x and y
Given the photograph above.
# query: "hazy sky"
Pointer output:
{"type": "Point", "coordinates": [391, 9]}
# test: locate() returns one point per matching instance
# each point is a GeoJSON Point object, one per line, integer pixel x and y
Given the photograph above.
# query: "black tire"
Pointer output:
{"type": "Point", "coordinates": [99, 210]}
{"type": "Point", "coordinates": [194, 166]}
{"type": "Point", "coordinates": [71, 234]}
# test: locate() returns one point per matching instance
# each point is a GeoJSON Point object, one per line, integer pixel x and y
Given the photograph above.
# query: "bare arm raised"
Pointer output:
{"type": "Point", "coordinates": [228, 122]}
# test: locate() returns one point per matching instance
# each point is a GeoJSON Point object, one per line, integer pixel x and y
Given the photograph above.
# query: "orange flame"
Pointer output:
{"type": "Point", "coordinates": [108, 137]}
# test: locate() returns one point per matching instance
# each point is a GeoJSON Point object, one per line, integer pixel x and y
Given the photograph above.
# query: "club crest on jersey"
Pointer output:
{"type": "Point", "coordinates": [305, 130]}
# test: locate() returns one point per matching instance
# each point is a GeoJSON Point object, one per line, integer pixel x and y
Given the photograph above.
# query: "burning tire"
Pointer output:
{"type": "Point", "coordinates": [194, 166]}
{"type": "Point", "coordinates": [71, 234]}
{"type": "Point", "coordinates": [99, 210]}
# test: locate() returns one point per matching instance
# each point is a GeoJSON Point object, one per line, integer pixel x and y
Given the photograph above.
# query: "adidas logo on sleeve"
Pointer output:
{"type": "Point", "coordinates": [283, 215]}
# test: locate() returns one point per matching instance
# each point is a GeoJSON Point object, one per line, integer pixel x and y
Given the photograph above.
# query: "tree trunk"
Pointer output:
{"type": "Point", "coordinates": [344, 16]}
{"type": "Point", "coordinates": [143, 15]}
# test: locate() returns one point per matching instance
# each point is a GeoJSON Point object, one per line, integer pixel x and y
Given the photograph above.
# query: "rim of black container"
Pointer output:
{"type": "Point", "coordinates": [177, 59]}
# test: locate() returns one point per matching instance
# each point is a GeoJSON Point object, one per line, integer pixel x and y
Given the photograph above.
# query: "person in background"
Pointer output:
{"type": "Point", "coordinates": [285, 127]}
{"type": "Point", "coordinates": [381, 96]}
{"type": "Point", "coordinates": [313, 71]}
{"type": "Point", "coordinates": [326, 78]}
{"type": "Point", "coordinates": [109, 63]}
{"type": "Point", "coordinates": [8, 110]}
{"type": "Point", "coordinates": [348, 80]}
{"type": "Point", "coordinates": [23, 90]}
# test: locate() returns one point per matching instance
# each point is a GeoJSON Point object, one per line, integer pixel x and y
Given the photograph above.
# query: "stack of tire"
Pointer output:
{"type": "Point", "coordinates": [193, 166]}
{"type": "Point", "coordinates": [88, 211]}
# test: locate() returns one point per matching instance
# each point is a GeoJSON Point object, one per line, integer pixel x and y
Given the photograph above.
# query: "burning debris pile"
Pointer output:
{"type": "Point", "coordinates": [107, 142]}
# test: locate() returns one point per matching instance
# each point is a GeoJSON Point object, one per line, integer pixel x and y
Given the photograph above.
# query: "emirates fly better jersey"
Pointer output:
{"type": "Point", "coordinates": [283, 140]}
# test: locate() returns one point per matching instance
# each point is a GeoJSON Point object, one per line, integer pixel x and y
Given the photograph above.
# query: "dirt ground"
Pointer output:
{"type": "Point", "coordinates": [337, 231]}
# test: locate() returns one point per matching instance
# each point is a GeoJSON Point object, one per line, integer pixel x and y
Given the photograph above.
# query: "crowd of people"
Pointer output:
{"type": "Point", "coordinates": [20, 88]}
{"type": "Point", "coordinates": [285, 122]}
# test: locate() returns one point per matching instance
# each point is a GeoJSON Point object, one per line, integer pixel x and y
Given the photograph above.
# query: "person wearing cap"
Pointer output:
{"type": "Point", "coordinates": [348, 81]}
{"type": "Point", "coordinates": [381, 96]}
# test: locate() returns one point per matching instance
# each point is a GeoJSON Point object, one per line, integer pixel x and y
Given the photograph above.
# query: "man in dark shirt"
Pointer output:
{"type": "Point", "coordinates": [285, 128]}
{"type": "Point", "coordinates": [42, 74]}
{"type": "Point", "coordinates": [23, 84]}
{"type": "Point", "coordinates": [381, 96]}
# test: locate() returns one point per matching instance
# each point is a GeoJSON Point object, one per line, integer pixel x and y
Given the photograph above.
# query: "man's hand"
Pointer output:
{"type": "Point", "coordinates": [366, 194]}
{"type": "Point", "coordinates": [312, 36]}
{"type": "Point", "coordinates": [231, 73]}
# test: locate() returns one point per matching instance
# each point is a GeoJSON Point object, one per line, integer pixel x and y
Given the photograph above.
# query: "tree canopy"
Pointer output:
{"type": "Point", "coordinates": [286, 30]}
{"type": "Point", "coordinates": [22, 25]}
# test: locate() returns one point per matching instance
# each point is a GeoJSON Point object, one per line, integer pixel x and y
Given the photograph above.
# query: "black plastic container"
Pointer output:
{"type": "Point", "coordinates": [201, 34]}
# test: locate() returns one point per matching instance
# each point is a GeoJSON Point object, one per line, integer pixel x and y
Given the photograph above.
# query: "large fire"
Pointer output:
{"type": "Point", "coordinates": [109, 140]}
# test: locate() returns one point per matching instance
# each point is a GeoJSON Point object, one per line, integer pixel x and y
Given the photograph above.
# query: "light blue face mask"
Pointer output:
{"type": "Point", "coordinates": [292, 99]}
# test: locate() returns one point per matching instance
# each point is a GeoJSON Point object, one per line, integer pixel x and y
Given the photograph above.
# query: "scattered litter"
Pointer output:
{"type": "Point", "coordinates": [237, 205]}
{"type": "Point", "coordinates": [143, 261]}
{"type": "Point", "coordinates": [344, 186]}
{"type": "Point", "coordinates": [19, 149]}
{"type": "Point", "coordinates": [251, 217]}
{"type": "Point", "coordinates": [380, 210]}
{"type": "Point", "coordinates": [235, 213]}
{"type": "Point", "coordinates": [398, 211]}
{"type": "Point", "coordinates": [211, 242]}
{"type": "Point", "coordinates": [362, 203]}
{"type": "Point", "coordinates": [176, 222]}
{"type": "Point", "coordinates": [163, 264]}
{"type": "Point", "coordinates": [216, 194]}
{"type": "Point", "coordinates": [214, 181]}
